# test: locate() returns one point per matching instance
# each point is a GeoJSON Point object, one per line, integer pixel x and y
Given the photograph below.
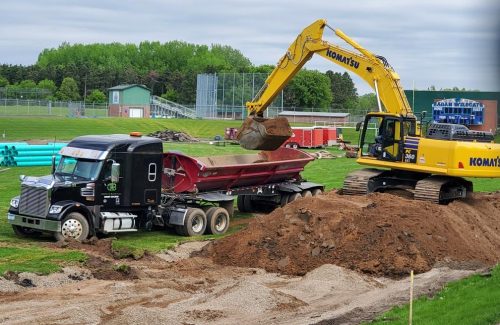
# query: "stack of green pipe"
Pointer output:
{"type": "Point", "coordinates": [24, 154]}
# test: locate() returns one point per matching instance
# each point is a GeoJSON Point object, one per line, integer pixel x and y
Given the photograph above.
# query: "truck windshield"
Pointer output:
{"type": "Point", "coordinates": [78, 168]}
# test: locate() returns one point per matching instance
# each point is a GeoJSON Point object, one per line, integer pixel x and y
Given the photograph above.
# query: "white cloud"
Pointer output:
{"type": "Point", "coordinates": [444, 43]}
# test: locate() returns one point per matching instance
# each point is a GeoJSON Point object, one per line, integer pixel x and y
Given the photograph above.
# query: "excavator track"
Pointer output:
{"type": "Point", "coordinates": [440, 189]}
{"type": "Point", "coordinates": [428, 189]}
{"type": "Point", "coordinates": [356, 183]}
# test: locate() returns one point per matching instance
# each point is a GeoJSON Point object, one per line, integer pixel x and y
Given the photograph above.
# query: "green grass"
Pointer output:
{"type": "Point", "coordinates": [475, 300]}
{"type": "Point", "coordinates": [48, 128]}
{"type": "Point", "coordinates": [36, 259]}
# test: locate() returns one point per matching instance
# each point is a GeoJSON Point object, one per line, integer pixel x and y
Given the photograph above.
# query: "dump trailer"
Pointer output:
{"type": "Point", "coordinates": [123, 183]}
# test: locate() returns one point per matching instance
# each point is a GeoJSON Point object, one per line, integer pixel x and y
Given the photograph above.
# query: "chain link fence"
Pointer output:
{"type": "Point", "coordinates": [42, 107]}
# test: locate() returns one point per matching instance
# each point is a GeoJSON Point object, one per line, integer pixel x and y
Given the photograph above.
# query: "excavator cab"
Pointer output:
{"type": "Point", "coordinates": [259, 133]}
{"type": "Point", "coordinates": [383, 136]}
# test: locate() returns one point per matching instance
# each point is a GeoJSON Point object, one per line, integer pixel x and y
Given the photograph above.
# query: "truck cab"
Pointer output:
{"type": "Point", "coordinates": [101, 182]}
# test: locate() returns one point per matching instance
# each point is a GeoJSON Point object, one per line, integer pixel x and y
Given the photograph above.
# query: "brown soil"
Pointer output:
{"type": "Point", "coordinates": [380, 234]}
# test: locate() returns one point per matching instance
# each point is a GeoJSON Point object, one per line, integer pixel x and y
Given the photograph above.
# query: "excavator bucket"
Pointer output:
{"type": "Point", "coordinates": [257, 133]}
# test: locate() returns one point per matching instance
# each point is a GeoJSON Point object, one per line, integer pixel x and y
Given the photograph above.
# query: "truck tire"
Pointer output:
{"type": "Point", "coordinates": [229, 206]}
{"type": "Point", "coordinates": [239, 203]}
{"type": "Point", "coordinates": [306, 193]}
{"type": "Point", "coordinates": [244, 203]}
{"type": "Point", "coordinates": [195, 223]}
{"type": "Point", "coordinates": [316, 192]}
{"type": "Point", "coordinates": [217, 221]}
{"type": "Point", "coordinates": [293, 197]}
{"type": "Point", "coordinates": [247, 202]}
{"type": "Point", "coordinates": [73, 226]}
{"type": "Point", "coordinates": [26, 232]}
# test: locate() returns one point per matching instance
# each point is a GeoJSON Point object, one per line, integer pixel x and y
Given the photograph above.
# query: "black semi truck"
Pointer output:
{"type": "Point", "coordinates": [122, 183]}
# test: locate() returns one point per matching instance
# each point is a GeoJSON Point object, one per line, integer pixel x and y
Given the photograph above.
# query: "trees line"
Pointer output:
{"type": "Point", "coordinates": [77, 72]}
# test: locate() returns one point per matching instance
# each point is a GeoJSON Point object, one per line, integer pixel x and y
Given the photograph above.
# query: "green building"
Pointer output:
{"type": "Point", "coordinates": [129, 101]}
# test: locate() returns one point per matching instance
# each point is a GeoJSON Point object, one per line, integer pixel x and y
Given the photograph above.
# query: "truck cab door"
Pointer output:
{"type": "Point", "coordinates": [111, 192]}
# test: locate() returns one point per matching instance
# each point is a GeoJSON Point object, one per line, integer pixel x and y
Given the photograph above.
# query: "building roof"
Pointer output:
{"type": "Point", "coordinates": [123, 87]}
{"type": "Point", "coordinates": [313, 114]}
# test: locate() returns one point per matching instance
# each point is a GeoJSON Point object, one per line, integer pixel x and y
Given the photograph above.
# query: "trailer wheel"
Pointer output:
{"type": "Point", "coordinates": [306, 193]}
{"type": "Point", "coordinates": [240, 203]}
{"type": "Point", "coordinates": [26, 232]}
{"type": "Point", "coordinates": [73, 226]}
{"type": "Point", "coordinates": [316, 192]}
{"type": "Point", "coordinates": [284, 199]}
{"type": "Point", "coordinates": [244, 203]}
{"type": "Point", "coordinates": [293, 197]}
{"type": "Point", "coordinates": [195, 223]}
{"type": "Point", "coordinates": [217, 221]}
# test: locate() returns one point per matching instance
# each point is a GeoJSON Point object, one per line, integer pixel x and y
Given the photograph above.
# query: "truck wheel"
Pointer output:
{"type": "Point", "coordinates": [73, 226]}
{"type": "Point", "coordinates": [244, 203]}
{"type": "Point", "coordinates": [195, 223]}
{"type": "Point", "coordinates": [247, 202]}
{"type": "Point", "coordinates": [26, 232]}
{"type": "Point", "coordinates": [293, 197]}
{"type": "Point", "coordinates": [306, 193]}
{"type": "Point", "coordinates": [316, 192]}
{"type": "Point", "coordinates": [229, 206]}
{"type": "Point", "coordinates": [217, 221]}
{"type": "Point", "coordinates": [284, 199]}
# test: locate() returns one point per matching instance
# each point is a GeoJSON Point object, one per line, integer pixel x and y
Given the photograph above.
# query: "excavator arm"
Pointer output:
{"type": "Point", "coordinates": [268, 134]}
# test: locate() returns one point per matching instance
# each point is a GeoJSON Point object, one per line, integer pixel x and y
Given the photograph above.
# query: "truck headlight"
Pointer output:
{"type": "Point", "coordinates": [15, 202]}
{"type": "Point", "coordinates": [54, 209]}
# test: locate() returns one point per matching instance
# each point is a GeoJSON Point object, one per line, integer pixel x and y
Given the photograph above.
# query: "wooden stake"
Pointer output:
{"type": "Point", "coordinates": [411, 298]}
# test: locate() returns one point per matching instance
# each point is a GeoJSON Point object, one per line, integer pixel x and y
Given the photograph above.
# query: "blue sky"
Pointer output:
{"type": "Point", "coordinates": [444, 43]}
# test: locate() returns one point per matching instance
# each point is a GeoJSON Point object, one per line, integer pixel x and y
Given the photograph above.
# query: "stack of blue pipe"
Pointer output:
{"type": "Point", "coordinates": [24, 154]}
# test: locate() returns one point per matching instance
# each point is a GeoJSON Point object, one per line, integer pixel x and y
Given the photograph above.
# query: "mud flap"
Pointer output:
{"type": "Point", "coordinates": [258, 133]}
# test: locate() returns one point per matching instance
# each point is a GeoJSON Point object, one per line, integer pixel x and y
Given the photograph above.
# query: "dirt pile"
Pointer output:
{"type": "Point", "coordinates": [380, 234]}
{"type": "Point", "coordinates": [172, 136]}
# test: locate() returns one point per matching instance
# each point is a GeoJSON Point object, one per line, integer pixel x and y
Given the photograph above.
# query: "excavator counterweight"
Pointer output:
{"type": "Point", "coordinates": [258, 133]}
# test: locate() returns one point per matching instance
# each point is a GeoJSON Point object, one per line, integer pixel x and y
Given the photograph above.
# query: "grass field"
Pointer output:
{"type": "Point", "coordinates": [475, 300]}
{"type": "Point", "coordinates": [29, 255]}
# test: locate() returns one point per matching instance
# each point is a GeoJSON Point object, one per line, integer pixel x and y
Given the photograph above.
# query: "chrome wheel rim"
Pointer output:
{"type": "Point", "coordinates": [220, 222]}
{"type": "Point", "coordinates": [71, 228]}
{"type": "Point", "coordinates": [197, 224]}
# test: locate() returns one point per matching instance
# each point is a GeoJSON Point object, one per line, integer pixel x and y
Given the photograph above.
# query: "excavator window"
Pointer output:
{"type": "Point", "coordinates": [385, 145]}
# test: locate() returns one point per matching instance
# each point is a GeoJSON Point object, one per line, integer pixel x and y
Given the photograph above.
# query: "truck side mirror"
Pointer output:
{"type": "Point", "coordinates": [115, 172]}
{"type": "Point", "coordinates": [423, 114]}
{"type": "Point", "coordinates": [358, 125]}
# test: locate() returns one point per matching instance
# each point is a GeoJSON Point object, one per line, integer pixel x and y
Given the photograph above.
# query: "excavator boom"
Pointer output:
{"type": "Point", "coordinates": [269, 134]}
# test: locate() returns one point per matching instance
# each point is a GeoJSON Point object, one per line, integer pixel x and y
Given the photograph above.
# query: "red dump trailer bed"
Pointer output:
{"type": "Point", "coordinates": [216, 173]}
{"type": "Point", "coordinates": [258, 181]}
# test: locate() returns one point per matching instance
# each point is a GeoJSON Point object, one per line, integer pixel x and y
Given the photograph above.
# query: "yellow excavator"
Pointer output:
{"type": "Point", "coordinates": [433, 167]}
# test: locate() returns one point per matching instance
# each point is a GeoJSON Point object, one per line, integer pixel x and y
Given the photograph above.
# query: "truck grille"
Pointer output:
{"type": "Point", "coordinates": [34, 201]}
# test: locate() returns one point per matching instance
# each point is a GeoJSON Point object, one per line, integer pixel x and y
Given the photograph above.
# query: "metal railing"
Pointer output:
{"type": "Point", "coordinates": [161, 107]}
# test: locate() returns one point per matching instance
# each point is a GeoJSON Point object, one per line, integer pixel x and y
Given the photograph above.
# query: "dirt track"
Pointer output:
{"type": "Point", "coordinates": [196, 291]}
{"type": "Point", "coordinates": [173, 288]}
